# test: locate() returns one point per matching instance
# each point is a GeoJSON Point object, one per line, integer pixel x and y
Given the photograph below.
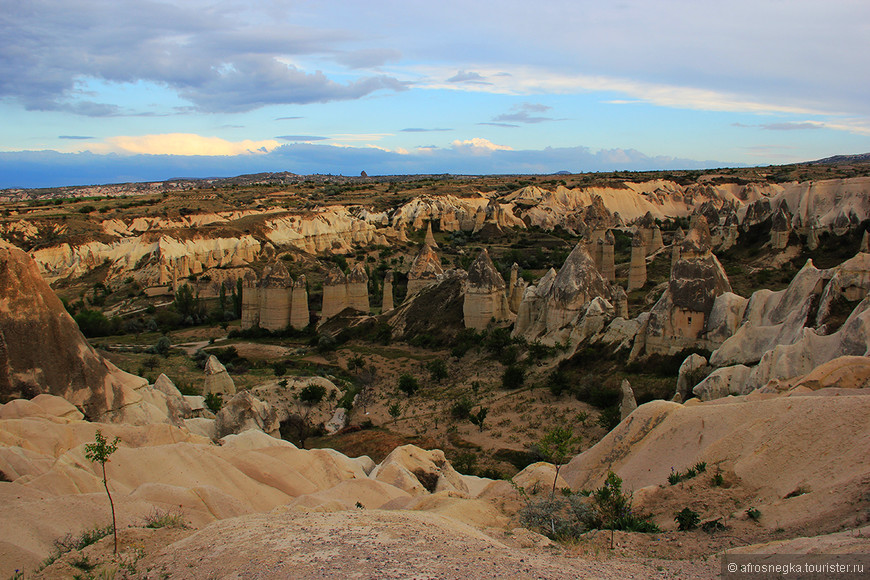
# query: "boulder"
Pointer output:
{"type": "Point", "coordinates": [244, 412]}
{"type": "Point", "coordinates": [337, 422]}
{"type": "Point", "coordinates": [418, 471]}
{"type": "Point", "coordinates": [722, 382]}
{"type": "Point", "coordinates": [217, 379]}
{"type": "Point", "coordinates": [691, 371]}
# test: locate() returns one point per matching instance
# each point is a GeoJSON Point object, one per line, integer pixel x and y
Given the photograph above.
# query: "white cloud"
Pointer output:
{"type": "Point", "coordinates": [479, 145]}
{"type": "Point", "coordinates": [182, 144]}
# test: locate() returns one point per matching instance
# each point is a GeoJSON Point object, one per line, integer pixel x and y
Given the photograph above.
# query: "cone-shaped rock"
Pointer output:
{"type": "Point", "coordinates": [43, 351]}
{"type": "Point", "coordinates": [425, 269]}
{"type": "Point", "coordinates": [484, 294]}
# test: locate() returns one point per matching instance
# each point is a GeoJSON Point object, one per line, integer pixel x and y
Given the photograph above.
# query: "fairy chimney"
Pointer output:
{"type": "Point", "coordinates": [425, 269]}
{"type": "Point", "coordinates": [388, 292]}
{"type": "Point", "coordinates": [334, 293]}
{"type": "Point", "coordinates": [637, 266]}
{"type": "Point", "coordinates": [484, 294]}
{"type": "Point", "coordinates": [358, 288]}
{"type": "Point", "coordinates": [299, 314]}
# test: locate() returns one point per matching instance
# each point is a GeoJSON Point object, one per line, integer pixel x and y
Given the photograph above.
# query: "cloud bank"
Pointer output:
{"type": "Point", "coordinates": [468, 157]}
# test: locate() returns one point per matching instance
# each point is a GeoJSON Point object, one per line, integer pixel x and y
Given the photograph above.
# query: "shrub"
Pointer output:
{"type": "Point", "coordinates": [609, 418]}
{"type": "Point", "coordinates": [408, 384]}
{"type": "Point", "coordinates": [395, 411]}
{"type": "Point", "coordinates": [461, 409]}
{"type": "Point", "coordinates": [164, 519]}
{"type": "Point", "coordinates": [513, 377]}
{"type": "Point", "coordinates": [214, 401]}
{"type": "Point", "coordinates": [687, 519]}
{"type": "Point", "coordinates": [279, 368]}
{"type": "Point", "coordinates": [437, 369]}
{"type": "Point", "coordinates": [753, 514]}
{"type": "Point", "coordinates": [312, 394]}
{"type": "Point", "coordinates": [479, 417]}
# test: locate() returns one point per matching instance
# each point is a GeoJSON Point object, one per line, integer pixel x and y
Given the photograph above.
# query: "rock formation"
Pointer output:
{"type": "Point", "coordinates": [780, 227]}
{"type": "Point", "coordinates": [637, 266]}
{"type": "Point", "coordinates": [358, 288]}
{"type": "Point", "coordinates": [334, 293]}
{"type": "Point", "coordinates": [276, 302]}
{"type": "Point", "coordinates": [244, 412]}
{"type": "Point", "coordinates": [430, 238]}
{"type": "Point", "coordinates": [300, 316]}
{"type": "Point", "coordinates": [43, 351]}
{"type": "Point", "coordinates": [516, 289]}
{"type": "Point", "coordinates": [560, 299]}
{"type": "Point", "coordinates": [388, 292]}
{"type": "Point", "coordinates": [678, 238]}
{"type": "Point", "coordinates": [485, 299]}
{"type": "Point", "coordinates": [275, 295]}
{"type": "Point", "coordinates": [425, 269]}
{"type": "Point", "coordinates": [604, 256]}
{"type": "Point", "coordinates": [679, 319]}
{"type": "Point", "coordinates": [627, 403]}
{"type": "Point", "coordinates": [217, 380]}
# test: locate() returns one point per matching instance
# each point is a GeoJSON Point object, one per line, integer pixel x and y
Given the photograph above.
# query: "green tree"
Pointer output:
{"type": "Point", "coordinates": [408, 384]}
{"type": "Point", "coordinates": [556, 447]}
{"type": "Point", "coordinates": [479, 417]}
{"type": "Point", "coordinates": [188, 304]}
{"type": "Point", "coordinates": [437, 369]}
{"type": "Point", "coordinates": [99, 451]}
{"type": "Point", "coordinates": [513, 377]}
{"type": "Point", "coordinates": [395, 411]}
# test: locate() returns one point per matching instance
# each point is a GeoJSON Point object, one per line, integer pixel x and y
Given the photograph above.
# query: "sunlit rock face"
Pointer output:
{"type": "Point", "coordinates": [679, 318]}
{"type": "Point", "coordinates": [42, 351]}
{"type": "Point", "coordinates": [485, 299]}
{"type": "Point", "coordinates": [560, 298]}
{"type": "Point", "coordinates": [425, 269]}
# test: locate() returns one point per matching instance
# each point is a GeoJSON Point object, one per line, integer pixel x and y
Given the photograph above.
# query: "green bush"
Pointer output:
{"type": "Point", "coordinates": [513, 377]}
{"type": "Point", "coordinates": [687, 519]}
{"type": "Point", "coordinates": [408, 384]}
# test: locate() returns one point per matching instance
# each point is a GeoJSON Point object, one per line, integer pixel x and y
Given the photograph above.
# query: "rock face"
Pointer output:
{"type": "Point", "coordinates": [358, 288]}
{"type": "Point", "coordinates": [275, 302]}
{"type": "Point", "coordinates": [755, 440]}
{"type": "Point", "coordinates": [334, 293]}
{"type": "Point", "coordinates": [43, 351]}
{"type": "Point", "coordinates": [217, 379]}
{"type": "Point", "coordinates": [788, 333]}
{"type": "Point", "coordinates": [561, 299]}
{"type": "Point", "coordinates": [425, 269]}
{"type": "Point", "coordinates": [485, 299]}
{"type": "Point", "coordinates": [679, 319]}
{"type": "Point", "coordinates": [388, 292]}
{"type": "Point", "coordinates": [244, 412]}
{"type": "Point", "coordinates": [637, 266]}
{"type": "Point", "coordinates": [300, 317]}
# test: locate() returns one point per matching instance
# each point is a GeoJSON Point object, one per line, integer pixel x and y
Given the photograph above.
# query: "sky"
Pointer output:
{"type": "Point", "coordinates": [93, 91]}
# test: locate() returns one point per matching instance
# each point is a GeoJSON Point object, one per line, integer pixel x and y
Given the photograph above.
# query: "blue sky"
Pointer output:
{"type": "Point", "coordinates": [95, 91]}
